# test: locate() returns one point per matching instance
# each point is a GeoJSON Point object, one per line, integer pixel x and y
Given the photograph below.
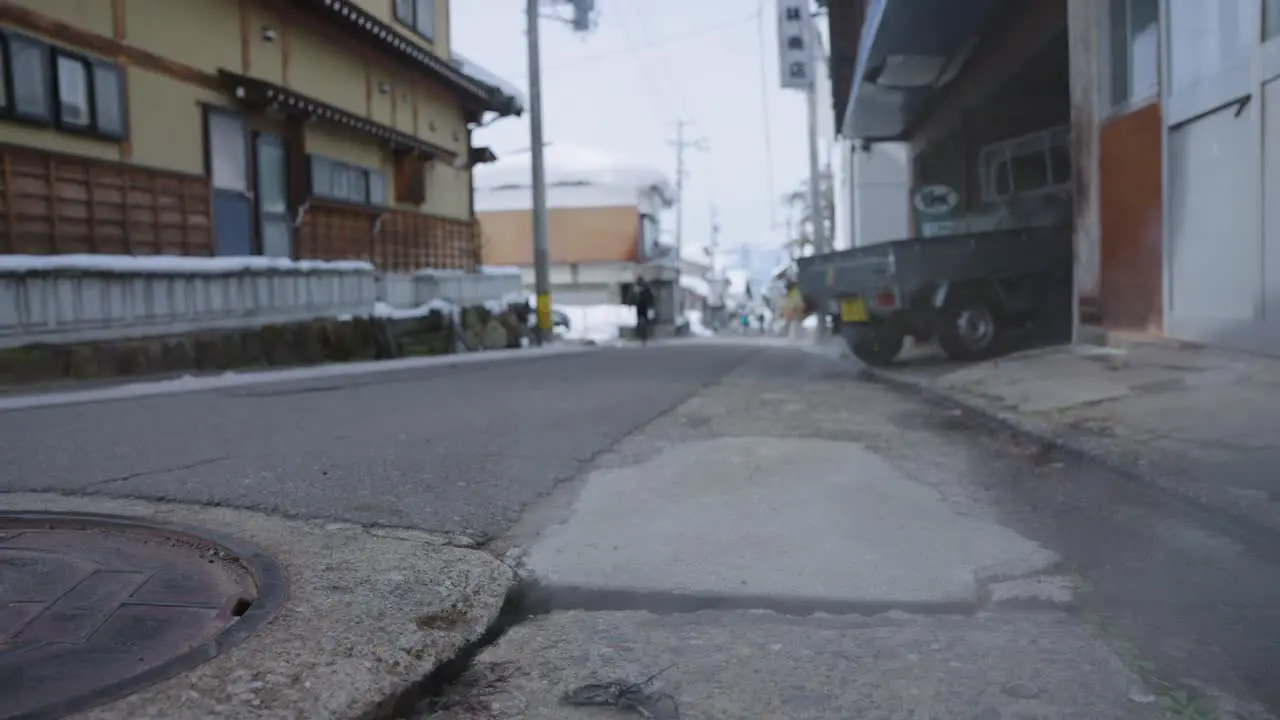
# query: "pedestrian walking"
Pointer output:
{"type": "Point", "coordinates": [642, 299]}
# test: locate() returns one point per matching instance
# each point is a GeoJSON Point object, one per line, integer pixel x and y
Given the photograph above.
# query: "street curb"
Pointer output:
{"type": "Point", "coordinates": [1221, 516]}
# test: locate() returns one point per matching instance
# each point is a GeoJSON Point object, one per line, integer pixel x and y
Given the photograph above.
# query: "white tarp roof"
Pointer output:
{"type": "Point", "coordinates": [572, 165]}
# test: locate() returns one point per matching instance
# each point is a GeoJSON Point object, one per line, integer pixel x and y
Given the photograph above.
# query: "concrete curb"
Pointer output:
{"type": "Point", "coordinates": [1221, 516]}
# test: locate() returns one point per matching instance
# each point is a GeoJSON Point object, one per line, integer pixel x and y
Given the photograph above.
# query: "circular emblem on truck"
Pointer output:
{"type": "Point", "coordinates": [935, 199]}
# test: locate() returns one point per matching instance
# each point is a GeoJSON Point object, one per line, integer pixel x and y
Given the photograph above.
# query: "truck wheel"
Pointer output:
{"type": "Point", "coordinates": [875, 346]}
{"type": "Point", "coordinates": [969, 328]}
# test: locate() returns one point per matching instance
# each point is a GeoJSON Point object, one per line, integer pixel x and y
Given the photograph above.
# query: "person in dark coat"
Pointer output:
{"type": "Point", "coordinates": [642, 299]}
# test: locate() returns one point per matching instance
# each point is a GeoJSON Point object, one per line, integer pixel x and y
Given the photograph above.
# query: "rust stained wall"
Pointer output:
{"type": "Point", "coordinates": [576, 235]}
{"type": "Point", "coordinates": [1130, 221]}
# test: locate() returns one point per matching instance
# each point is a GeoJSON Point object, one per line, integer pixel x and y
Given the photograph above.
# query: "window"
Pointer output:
{"type": "Point", "coordinates": [109, 100]}
{"type": "Point", "coordinates": [1207, 37]}
{"type": "Point", "coordinates": [48, 85]}
{"type": "Point", "coordinates": [73, 93]}
{"type": "Point", "coordinates": [4, 74]}
{"type": "Point", "coordinates": [1270, 19]}
{"type": "Point", "coordinates": [1027, 165]}
{"type": "Point", "coordinates": [418, 15]}
{"type": "Point", "coordinates": [1135, 59]}
{"type": "Point", "coordinates": [334, 180]}
{"type": "Point", "coordinates": [28, 66]}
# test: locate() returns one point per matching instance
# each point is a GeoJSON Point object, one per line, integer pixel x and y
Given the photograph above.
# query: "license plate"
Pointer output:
{"type": "Point", "coordinates": [853, 310]}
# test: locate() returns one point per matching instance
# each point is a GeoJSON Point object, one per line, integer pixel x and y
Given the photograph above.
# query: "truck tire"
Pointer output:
{"type": "Point", "coordinates": [875, 346]}
{"type": "Point", "coordinates": [970, 327]}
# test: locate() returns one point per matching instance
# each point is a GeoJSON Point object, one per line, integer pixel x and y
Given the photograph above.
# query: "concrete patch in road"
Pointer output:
{"type": "Point", "coordinates": [369, 615]}
{"type": "Point", "coordinates": [785, 518]}
{"type": "Point", "coordinates": [996, 666]}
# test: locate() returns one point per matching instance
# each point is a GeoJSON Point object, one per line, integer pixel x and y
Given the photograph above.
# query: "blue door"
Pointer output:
{"type": "Point", "coordinates": [228, 143]}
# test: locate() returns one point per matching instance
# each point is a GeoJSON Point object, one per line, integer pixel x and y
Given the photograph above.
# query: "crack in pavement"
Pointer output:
{"type": "Point", "coordinates": [93, 485]}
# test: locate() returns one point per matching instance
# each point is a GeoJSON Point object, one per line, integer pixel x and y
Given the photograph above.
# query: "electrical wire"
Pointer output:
{"type": "Point", "coordinates": [764, 116]}
{"type": "Point", "coordinates": [593, 60]}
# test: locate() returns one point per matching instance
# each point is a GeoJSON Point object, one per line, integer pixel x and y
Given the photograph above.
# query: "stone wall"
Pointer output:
{"type": "Point", "coordinates": [307, 342]}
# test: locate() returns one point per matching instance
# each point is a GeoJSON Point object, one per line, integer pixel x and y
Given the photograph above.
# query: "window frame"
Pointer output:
{"type": "Point", "coordinates": [51, 115]}
{"type": "Point", "coordinates": [412, 24]}
{"type": "Point", "coordinates": [996, 159]}
{"type": "Point", "coordinates": [1131, 102]}
{"type": "Point", "coordinates": [361, 176]}
{"type": "Point", "coordinates": [58, 56]}
{"type": "Point", "coordinates": [13, 111]}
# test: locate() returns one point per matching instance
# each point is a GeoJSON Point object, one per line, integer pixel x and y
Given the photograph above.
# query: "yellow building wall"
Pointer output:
{"type": "Point", "coordinates": [92, 15]}
{"type": "Point", "coordinates": [166, 121]}
{"type": "Point", "coordinates": [165, 114]}
{"type": "Point", "coordinates": [384, 10]}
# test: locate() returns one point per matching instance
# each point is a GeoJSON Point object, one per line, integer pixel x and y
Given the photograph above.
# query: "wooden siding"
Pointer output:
{"type": "Point", "coordinates": [576, 235]}
{"type": "Point", "coordinates": [404, 241]}
{"type": "Point", "coordinates": [1129, 176]}
{"type": "Point", "coordinates": [53, 203]}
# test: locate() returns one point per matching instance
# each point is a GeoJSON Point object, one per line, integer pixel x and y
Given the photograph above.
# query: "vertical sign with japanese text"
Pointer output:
{"type": "Point", "coordinates": [795, 39]}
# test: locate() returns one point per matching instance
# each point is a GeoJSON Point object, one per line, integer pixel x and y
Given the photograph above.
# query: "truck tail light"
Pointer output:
{"type": "Point", "coordinates": [886, 299]}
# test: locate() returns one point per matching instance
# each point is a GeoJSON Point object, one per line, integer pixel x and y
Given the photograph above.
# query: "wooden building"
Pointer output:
{"type": "Point", "coordinates": [327, 129]}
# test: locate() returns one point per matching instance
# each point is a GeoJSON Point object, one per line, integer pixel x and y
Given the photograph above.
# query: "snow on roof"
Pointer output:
{"type": "Point", "coordinates": [695, 285]}
{"type": "Point", "coordinates": [782, 270]}
{"type": "Point", "coordinates": [477, 71]}
{"type": "Point", "coordinates": [572, 165]}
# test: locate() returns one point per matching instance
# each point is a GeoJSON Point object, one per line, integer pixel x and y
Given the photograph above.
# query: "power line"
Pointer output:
{"type": "Point", "coordinates": [656, 99]}
{"type": "Point", "coordinates": [592, 60]}
{"type": "Point", "coordinates": [764, 115]}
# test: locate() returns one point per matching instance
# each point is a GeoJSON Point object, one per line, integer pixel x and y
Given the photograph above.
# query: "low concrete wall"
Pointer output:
{"type": "Point", "coordinates": [60, 299]}
{"type": "Point", "coordinates": [462, 288]}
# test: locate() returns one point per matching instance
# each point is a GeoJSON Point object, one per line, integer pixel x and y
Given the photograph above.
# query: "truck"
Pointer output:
{"type": "Point", "coordinates": [975, 293]}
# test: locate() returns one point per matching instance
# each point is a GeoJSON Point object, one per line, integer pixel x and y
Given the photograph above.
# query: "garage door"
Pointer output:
{"type": "Point", "coordinates": [1222, 109]}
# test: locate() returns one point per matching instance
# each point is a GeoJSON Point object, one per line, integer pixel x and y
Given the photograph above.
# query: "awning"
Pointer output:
{"type": "Point", "coordinates": [262, 95]}
{"type": "Point", "coordinates": [369, 28]}
{"type": "Point", "coordinates": [908, 50]}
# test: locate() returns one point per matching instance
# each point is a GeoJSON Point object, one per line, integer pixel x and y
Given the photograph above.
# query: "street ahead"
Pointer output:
{"type": "Point", "coordinates": [695, 503]}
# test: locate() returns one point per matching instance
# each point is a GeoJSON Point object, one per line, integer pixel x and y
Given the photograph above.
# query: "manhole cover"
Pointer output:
{"type": "Point", "coordinates": [94, 607]}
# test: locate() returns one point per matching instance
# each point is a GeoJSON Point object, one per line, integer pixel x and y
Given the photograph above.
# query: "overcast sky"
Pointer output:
{"type": "Point", "coordinates": [649, 63]}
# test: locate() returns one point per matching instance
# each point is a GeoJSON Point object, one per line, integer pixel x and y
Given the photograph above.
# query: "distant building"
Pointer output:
{"type": "Point", "coordinates": [603, 225]}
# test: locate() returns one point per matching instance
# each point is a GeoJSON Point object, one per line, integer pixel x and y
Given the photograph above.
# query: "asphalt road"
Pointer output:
{"type": "Point", "coordinates": [459, 449]}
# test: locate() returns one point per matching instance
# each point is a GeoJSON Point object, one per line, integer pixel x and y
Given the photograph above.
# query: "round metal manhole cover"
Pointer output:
{"type": "Point", "coordinates": [94, 607]}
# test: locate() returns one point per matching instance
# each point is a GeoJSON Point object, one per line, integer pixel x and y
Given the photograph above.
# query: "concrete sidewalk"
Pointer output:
{"type": "Point", "coordinates": [1201, 422]}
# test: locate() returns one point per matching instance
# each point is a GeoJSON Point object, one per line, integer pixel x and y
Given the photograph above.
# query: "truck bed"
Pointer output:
{"type": "Point", "coordinates": [916, 263]}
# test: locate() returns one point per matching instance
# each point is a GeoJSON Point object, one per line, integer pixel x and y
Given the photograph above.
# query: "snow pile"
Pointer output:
{"type": "Point", "coordinates": [488, 77]}
{"type": "Point", "coordinates": [569, 165]}
{"type": "Point", "coordinates": [389, 312]}
{"type": "Point", "coordinates": [171, 264]}
{"type": "Point", "coordinates": [499, 270]}
{"type": "Point", "coordinates": [696, 327]}
{"type": "Point", "coordinates": [599, 323]}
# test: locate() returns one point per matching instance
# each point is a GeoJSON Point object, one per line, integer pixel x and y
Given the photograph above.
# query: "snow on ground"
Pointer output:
{"type": "Point", "coordinates": [171, 264]}
{"type": "Point", "coordinates": [599, 323]}
{"type": "Point", "coordinates": [696, 328]}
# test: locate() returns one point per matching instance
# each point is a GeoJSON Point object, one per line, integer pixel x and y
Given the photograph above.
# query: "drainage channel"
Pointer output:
{"type": "Point", "coordinates": [529, 599]}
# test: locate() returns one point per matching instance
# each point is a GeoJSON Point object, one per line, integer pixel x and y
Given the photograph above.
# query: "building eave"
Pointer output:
{"type": "Point", "coordinates": [376, 33]}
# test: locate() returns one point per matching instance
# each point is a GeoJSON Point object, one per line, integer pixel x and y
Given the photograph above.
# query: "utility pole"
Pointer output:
{"type": "Point", "coordinates": [817, 205]}
{"type": "Point", "coordinates": [583, 11]}
{"type": "Point", "coordinates": [681, 143]}
{"type": "Point", "coordinates": [541, 254]}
